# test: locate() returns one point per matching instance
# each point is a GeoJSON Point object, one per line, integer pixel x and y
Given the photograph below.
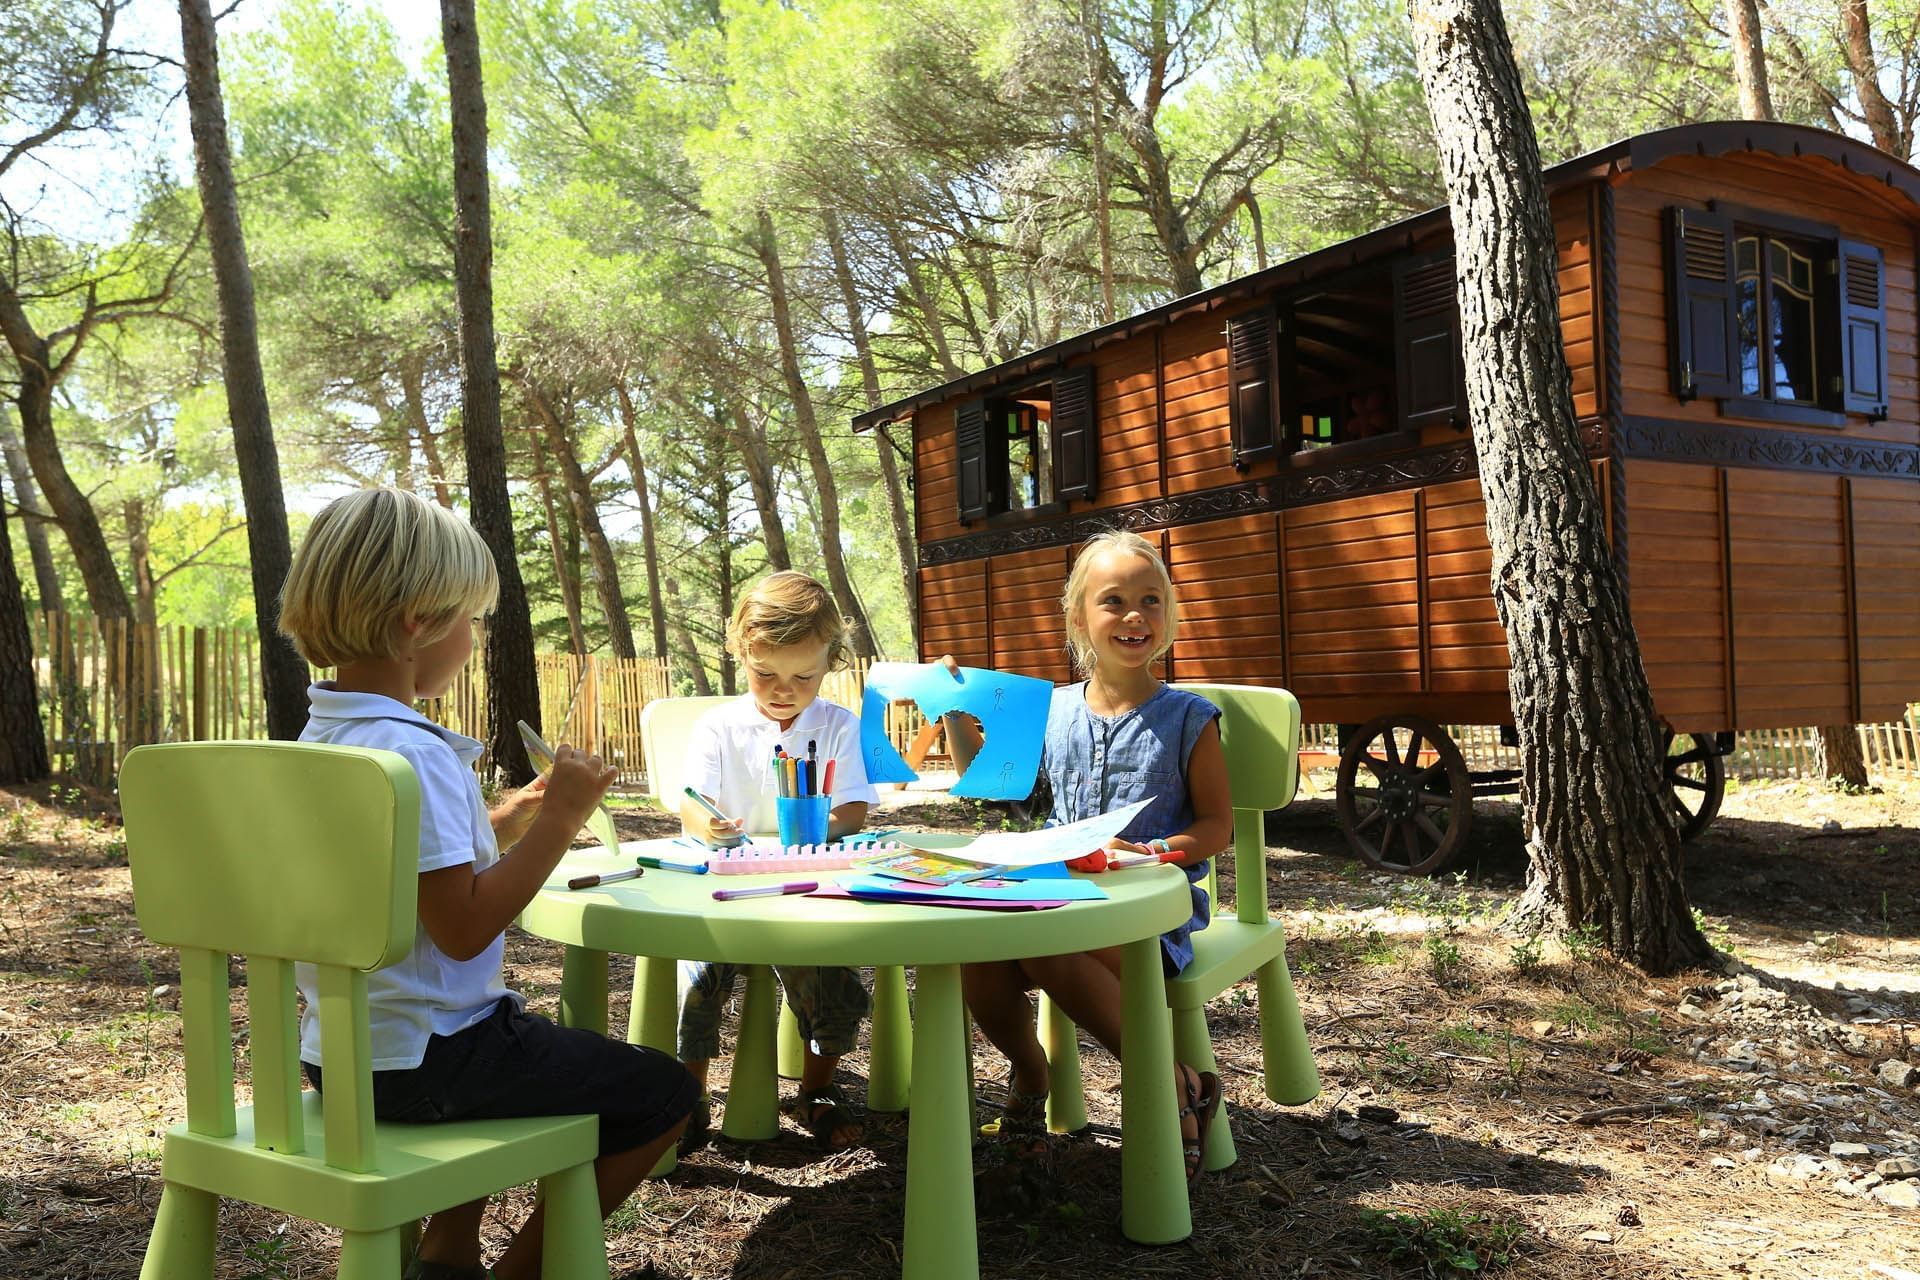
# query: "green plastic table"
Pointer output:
{"type": "Point", "coordinates": [666, 916]}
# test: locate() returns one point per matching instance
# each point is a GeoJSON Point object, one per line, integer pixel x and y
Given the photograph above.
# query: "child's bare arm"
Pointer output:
{"type": "Point", "coordinates": [846, 819]}
{"type": "Point", "coordinates": [464, 912]}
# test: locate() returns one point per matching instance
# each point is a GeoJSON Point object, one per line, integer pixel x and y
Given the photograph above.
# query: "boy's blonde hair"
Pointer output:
{"type": "Point", "coordinates": [1079, 646]}
{"type": "Point", "coordinates": [374, 559]}
{"type": "Point", "coordinates": [789, 608]}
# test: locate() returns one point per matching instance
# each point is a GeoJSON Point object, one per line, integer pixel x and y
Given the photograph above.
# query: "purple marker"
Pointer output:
{"type": "Point", "coordinates": [766, 890]}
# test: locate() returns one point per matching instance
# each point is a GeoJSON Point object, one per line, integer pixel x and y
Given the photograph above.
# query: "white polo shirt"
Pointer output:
{"type": "Point", "coordinates": [429, 993]}
{"type": "Point", "coordinates": [730, 757]}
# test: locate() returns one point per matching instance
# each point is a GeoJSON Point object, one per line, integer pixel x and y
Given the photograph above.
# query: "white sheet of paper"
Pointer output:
{"type": "Point", "coordinates": [1031, 848]}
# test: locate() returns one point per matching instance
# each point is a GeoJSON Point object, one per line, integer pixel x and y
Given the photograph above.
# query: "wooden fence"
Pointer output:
{"type": "Point", "coordinates": [106, 687]}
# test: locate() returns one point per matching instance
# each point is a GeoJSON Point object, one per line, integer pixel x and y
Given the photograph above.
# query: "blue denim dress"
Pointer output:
{"type": "Point", "coordinates": [1097, 764]}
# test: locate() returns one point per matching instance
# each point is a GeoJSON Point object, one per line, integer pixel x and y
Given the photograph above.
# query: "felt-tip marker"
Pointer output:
{"type": "Point", "coordinates": [607, 877]}
{"type": "Point", "coordinates": [766, 890]}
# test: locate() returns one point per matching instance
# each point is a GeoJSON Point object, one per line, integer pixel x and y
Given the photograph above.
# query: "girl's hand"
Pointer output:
{"type": "Point", "coordinates": [1118, 845]}
{"type": "Point", "coordinates": [575, 785]}
{"type": "Point", "coordinates": [516, 811]}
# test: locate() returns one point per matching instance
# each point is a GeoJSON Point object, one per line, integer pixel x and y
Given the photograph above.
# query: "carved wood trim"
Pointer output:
{"type": "Point", "coordinates": [1666, 440]}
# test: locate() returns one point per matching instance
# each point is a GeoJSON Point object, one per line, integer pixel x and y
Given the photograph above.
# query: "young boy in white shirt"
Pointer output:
{"type": "Point", "coordinates": [788, 634]}
{"type": "Point", "coordinates": [386, 590]}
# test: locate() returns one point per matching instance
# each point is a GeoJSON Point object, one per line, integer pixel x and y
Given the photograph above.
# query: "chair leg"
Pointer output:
{"type": "Point", "coordinates": [1194, 1046]}
{"type": "Point", "coordinates": [1287, 1059]}
{"type": "Point", "coordinates": [184, 1232]}
{"type": "Point", "coordinates": [890, 1038]}
{"type": "Point", "coordinates": [753, 1098]}
{"type": "Point", "coordinates": [370, 1255]}
{"type": "Point", "coordinates": [574, 1243]}
{"type": "Point", "coordinates": [1066, 1091]}
{"type": "Point", "coordinates": [793, 1054]}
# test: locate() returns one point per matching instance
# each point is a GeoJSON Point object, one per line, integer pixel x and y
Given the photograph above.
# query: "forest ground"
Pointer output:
{"type": "Point", "coordinates": [1479, 1063]}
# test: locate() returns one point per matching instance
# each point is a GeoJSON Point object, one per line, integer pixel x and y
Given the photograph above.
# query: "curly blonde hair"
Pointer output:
{"type": "Point", "coordinates": [374, 560]}
{"type": "Point", "coordinates": [788, 608]}
{"type": "Point", "coordinates": [1079, 645]}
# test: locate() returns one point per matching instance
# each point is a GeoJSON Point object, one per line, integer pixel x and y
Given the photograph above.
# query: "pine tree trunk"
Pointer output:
{"type": "Point", "coordinates": [569, 589]}
{"type": "Point", "coordinates": [513, 690]}
{"type": "Point", "coordinates": [99, 575]}
{"type": "Point", "coordinates": [838, 580]}
{"type": "Point", "coordinates": [606, 571]}
{"type": "Point", "coordinates": [1601, 848]}
{"type": "Point", "coordinates": [412, 382]}
{"type": "Point", "coordinates": [649, 544]}
{"type": "Point", "coordinates": [26, 494]}
{"type": "Point", "coordinates": [283, 676]}
{"type": "Point", "coordinates": [683, 635]}
{"type": "Point", "coordinates": [1749, 59]}
{"type": "Point", "coordinates": [23, 739]}
{"type": "Point", "coordinates": [901, 521]}
{"type": "Point", "coordinates": [752, 445]}
{"type": "Point", "coordinates": [1841, 763]}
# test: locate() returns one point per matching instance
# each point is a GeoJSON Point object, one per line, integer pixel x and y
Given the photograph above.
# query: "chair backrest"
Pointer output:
{"type": "Point", "coordinates": [278, 852]}
{"type": "Point", "coordinates": [665, 724]}
{"type": "Point", "coordinates": [1260, 733]}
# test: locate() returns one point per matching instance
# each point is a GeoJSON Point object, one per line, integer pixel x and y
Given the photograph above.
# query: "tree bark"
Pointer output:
{"type": "Point", "coordinates": [677, 620]}
{"type": "Point", "coordinates": [513, 690]}
{"type": "Point", "coordinates": [283, 676]}
{"type": "Point", "coordinates": [140, 559]}
{"type": "Point", "coordinates": [569, 588]}
{"type": "Point", "coordinates": [26, 495]}
{"type": "Point", "coordinates": [751, 441]}
{"type": "Point", "coordinates": [1602, 849]}
{"type": "Point", "coordinates": [1841, 763]}
{"type": "Point", "coordinates": [649, 543]}
{"type": "Point", "coordinates": [1749, 59]}
{"type": "Point", "coordinates": [413, 384]}
{"type": "Point", "coordinates": [1097, 117]}
{"type": "Point", "coordinates": [23, 739]}
{"type": "Point", "coordinates": [901, 521]}
{"type": "Point", "coordinates": [1858, 46]}
{"type": "Point", "coordinates": [767, 246]}
{"type": "Point", "coordinates": [106, 595]}
{"type": "Point", "coordinates": [606, 571]}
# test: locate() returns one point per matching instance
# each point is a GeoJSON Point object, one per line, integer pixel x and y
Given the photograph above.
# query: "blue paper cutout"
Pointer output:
{"type": "Point", "coordinates": [1011, 709]}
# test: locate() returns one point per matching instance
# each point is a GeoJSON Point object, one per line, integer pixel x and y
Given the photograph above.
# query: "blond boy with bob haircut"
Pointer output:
{"type": "Point", "coordinates": [386, 589]}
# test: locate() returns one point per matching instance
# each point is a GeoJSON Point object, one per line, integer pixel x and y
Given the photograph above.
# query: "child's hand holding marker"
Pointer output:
{"type": "Point", "coordinates": [574, 785]}
{"type": "Point", "coordinates": [719, 828]}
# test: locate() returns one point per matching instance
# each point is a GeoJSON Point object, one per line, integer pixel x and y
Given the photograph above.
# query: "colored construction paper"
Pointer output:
{"type": "Point", "coordinates": [901, 891]}
{"type": "Point", "coordinates": [1011, 709]}
{"type": "Point", "coordinates": [1031, 848]}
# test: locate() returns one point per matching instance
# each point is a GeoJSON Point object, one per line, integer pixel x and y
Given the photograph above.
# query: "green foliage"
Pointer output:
{"type": "Point", "coordinates": [1445, 1242]}
{"type": "Point", "coordinates": [1525, 954]}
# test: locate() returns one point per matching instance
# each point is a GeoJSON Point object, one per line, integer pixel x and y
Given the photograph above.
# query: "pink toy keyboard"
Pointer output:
{"type": "Point", "coordinates": [758, 857]}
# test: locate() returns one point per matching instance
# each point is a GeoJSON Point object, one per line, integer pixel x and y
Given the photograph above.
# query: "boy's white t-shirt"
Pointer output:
{"type": "Point", "coordinates": [730, 757]}
{"type": "Point", "coordinates": [429, 993]}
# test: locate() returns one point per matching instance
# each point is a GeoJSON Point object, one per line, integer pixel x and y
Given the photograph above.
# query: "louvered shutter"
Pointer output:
{"type": "Point", "coordinates": [1251, 385]}
{"type": "Point", "coordinates": [1863, 328]}
{"type": "Point", "coordinates": [1075, 436]}
{"type": "Point", "coordinates": [970, 427]}
{"type": "Point", "coordinates": [1431, 375]}
{"type": "Point", "coordinates": [1701, 327]}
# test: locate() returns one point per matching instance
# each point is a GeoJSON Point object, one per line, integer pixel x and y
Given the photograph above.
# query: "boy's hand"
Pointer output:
{"type": "Point", "coordinates": [714, 831]}
{"type": "Point", "coordinates": [516, 811]}
{"type": "Point", "coordinates": [574, 785]}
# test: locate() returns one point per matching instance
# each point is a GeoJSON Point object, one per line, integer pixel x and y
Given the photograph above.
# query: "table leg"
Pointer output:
{"type": "Point", "coordinates": [653, 1021]}
{"type": "Point", "coordinates": [583, 989]}
{"type": "Point", "coordinates": [1153, 1185]}
{"type": "Point", "coordinates": [753, 1096]}
{"type": "Point", "coordinates": [890, 1040]}
{"type": "Point", "coordinates": [940, 1240]}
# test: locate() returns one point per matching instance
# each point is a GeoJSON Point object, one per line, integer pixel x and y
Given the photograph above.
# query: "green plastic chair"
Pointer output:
{"type": "Point", "coordinates": [283, 852]}
{"type": "Point", "coordinates": [665, 725]}
{"type": "Point", "coordinates": [1260, 732]}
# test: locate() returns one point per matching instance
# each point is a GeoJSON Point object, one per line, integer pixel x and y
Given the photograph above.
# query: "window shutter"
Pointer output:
{"type": "Point", "coordinates": [1863, 328]}
{"type": "Point", "coordinates": [1076, 458]}
{"type": "Point", "coordinates": [1250, 385]}
{"type": "Point", "coordinates": [1700, 313]}
{"type": "Point", "coordinates": [1431, 375]}
{"type": "Point", "coordinates": [970, 427]}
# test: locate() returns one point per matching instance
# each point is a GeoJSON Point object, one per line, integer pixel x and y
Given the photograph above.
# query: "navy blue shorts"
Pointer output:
{"type": "Point", "coordinates": [512, 1063]}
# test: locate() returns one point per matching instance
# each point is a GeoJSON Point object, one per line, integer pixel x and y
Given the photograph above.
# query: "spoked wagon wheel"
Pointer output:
{"type": "Point", "coordinates": [1400, 812]}
{"type": "Point", "coordinates": [1696, 779]}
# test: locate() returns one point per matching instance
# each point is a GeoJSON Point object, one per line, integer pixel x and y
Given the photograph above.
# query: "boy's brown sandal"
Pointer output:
{"type": "Point", "coordinates": [825, 1111]}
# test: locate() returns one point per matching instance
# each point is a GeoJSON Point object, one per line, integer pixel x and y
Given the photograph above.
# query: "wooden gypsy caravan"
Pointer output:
{"type": "Point", "coordinates": [1738, 307]}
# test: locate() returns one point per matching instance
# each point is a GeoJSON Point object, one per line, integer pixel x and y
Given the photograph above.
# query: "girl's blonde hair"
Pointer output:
{"type": "Point", "coordinates": [1079, 646]}
{"type": "Point", "coordinates": [372, 560]}
{"type": "Point", "coordinates": [788, 608]}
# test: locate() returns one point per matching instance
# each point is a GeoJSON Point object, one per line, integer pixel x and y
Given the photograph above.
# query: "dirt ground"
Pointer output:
{"type": "Point", "coordinates": [1465, 1075]}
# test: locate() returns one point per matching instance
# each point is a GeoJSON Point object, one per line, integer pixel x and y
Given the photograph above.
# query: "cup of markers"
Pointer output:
{"type": "Point", "coordinates": [805, 801]}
